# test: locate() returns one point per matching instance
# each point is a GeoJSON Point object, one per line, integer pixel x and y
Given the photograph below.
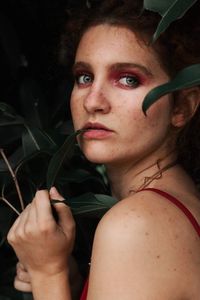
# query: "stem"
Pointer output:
{"type": "Point", "coordinates": [14, 178]}
{"type": "Point", "coordinates": [9, 204]}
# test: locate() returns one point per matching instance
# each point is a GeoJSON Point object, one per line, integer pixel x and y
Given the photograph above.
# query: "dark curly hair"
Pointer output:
{"type": "Point", "coordinates": [177, 48]}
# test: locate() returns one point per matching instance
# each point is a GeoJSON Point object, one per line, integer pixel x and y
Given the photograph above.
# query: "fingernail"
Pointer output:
{"type": "Point", "coordinates": [53, 190]}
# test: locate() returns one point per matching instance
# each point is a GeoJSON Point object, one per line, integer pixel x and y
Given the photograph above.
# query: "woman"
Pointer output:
{"type": "Point", "coordinates": [147, 246]}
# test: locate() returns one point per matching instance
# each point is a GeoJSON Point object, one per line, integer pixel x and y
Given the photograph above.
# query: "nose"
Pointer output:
{"type": "Point", "coordinates": [96, 101]}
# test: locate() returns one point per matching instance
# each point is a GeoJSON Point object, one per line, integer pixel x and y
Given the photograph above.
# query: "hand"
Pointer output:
{"type": "Point", "coordinates": [41, 244]}
{"type": "Point", "coordinates": [22, 281]}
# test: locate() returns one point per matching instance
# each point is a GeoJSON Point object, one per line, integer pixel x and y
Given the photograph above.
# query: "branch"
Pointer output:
{"type": "Point", "coordinates": [14, 179]}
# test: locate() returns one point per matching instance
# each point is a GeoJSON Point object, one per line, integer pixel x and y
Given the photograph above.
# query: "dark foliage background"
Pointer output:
{"type": "Point", "coordinates": [30, 79]}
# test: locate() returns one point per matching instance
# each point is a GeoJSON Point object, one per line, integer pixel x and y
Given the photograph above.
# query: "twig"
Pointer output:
{"type": "Point", "coordinates": [9, 204]}
{"type": "Point", "coordinates": [13, 177]}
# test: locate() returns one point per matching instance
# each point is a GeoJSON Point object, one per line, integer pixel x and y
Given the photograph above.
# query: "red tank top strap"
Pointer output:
{"type": "Point", "coordinates": [180, 205]}
{"type": "Point", "coordinates": [85, 290]}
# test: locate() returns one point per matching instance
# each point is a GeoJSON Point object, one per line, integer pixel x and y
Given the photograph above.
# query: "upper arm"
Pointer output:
{"type": "Point", "coordinates": [135, 256]}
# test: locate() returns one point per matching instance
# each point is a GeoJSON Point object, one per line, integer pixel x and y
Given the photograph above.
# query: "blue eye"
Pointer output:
{"type": "Point", "coordinates": [84, 79]}
{"type": "Point", "coordinates": [130, 81]}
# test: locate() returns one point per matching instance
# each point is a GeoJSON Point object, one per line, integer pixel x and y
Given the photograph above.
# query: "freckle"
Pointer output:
{"type": "Point", "coordinates": [146, 233]}
{"type": "Point", "coordinates": [158, 256]}
{"type": "Point", "coordinates": [176, 236]}
{"type": "Point", "coordinates": [174, 270]}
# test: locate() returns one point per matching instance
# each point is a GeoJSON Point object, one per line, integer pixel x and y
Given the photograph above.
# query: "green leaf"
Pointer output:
{"type": "Point", "coordinates": [35, 140]}
{"type": "Point", "coordinates": [170, 11]}
{"type": "Point", "coordinates": [8, 116]}
{"type": "Point", "coordinates": [7, 110]}
{"type": "Point", "coordinates": [89, 204]}
{"type": "Point", "coordinates": [65, 152]}
{"type": "Point", "coordinates": [4, 123]}
{"type": "Point", "coordinates": [33, 162]}
{"type": "Point", "coordinates": [186, 78]}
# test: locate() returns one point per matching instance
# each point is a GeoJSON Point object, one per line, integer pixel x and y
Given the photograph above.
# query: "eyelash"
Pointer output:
{"type": "Point", "coordinates": [135, 80]}
{"type": "Point", "coordinates": [117, 78]}
{"type": "Point", "coordinates": [78, 78]}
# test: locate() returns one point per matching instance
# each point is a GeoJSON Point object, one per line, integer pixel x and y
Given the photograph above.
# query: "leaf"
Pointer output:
{"type": "Point", "coordinates": [11, 125]}
{"type": "Point", "coordinates": [13, 159]}
{"type": "Point", "coordinates": [158, 6]}
{"type": "Point", "coordinates": [9, 116]}
{"type": "Point", "coordinates": [35, 140]}
{"type": "Point", "coordinates": [89, 204]}
{"type": "Point", "coordinates": [27, 169]}
{"type": "Point", "coordinates": [186, 78]}
{"type": "Point", "coordinates": [7, 110]}
{"type": "Point", "coordinates": [65, 152]}
{"type": "Point", "coordinates": [78, 175]}
{"type": "Point", "coordinates": [170, 11]}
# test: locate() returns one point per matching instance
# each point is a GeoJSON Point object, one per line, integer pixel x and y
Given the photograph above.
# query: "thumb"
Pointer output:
{"type": "Point", "coordinates": [64, 215]}
{"type": "Point", "coordinates": [54, 194]}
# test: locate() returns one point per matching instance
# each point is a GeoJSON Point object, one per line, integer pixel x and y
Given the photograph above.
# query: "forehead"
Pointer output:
{"type": "Point", "coordinates": [114, 42]}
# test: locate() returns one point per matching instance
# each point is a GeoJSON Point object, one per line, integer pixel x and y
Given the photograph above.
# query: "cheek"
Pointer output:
{"type": "Point", "coordinates": [156, 122]}
{"type": "Point", "coordinates": [158, 118]}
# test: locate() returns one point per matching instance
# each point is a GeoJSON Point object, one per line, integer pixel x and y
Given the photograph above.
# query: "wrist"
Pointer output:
{"type": "Point", "coordinates": [51, 275]}
{"type": "Point", "coordinates": [48, 270]}
{"type": "Point", "coordinates": [53, 286]}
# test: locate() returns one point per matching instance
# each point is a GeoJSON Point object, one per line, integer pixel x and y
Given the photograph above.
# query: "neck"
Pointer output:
{"type": "Point", "coordinates": [147, 172]}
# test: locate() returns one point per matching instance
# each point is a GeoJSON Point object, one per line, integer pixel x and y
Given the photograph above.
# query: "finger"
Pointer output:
{"type": "Point", "coordinates": [23, 276]}
{"type": "Point", "coordinates": [66, 220]}
{"type": "Point", "coordinates": [11, 237]}
{"type": "Point", "coordinates": [21, 266]}
{"type": "Point", "coordinates": [54, 194]}
{"type": "Point", "coordinates": [22, 273]}
{"type": "Point", "coordinates": [23, 219]}
{"type": "Point", "coordinates": [43, 207]}
{"type": "Point", "coordinates": [22, 286]}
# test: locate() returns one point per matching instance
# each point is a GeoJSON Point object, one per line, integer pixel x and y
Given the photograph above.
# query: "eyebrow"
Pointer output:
{"type": "Point", "coordinates": [142, 68]}
{"type": "Point", "coordinates": [80, 65]}
{"type": "Point", "coordinates": [115, 67]}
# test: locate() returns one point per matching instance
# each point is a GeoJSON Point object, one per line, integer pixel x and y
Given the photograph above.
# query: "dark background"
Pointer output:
{"type": "Point", "coordinates": [29, 36]}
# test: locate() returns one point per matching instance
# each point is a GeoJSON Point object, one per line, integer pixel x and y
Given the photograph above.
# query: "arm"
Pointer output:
{"type": "Point", "coordinates": [44, 246]}
{"type": "Point", "coordinates": [51, 287]}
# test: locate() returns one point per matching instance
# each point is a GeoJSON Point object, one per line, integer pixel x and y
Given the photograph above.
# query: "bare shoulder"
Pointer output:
{"type": "Point", "coordinates": [141, 242]}
{"type": "Point", "coordinates": [152, 213]}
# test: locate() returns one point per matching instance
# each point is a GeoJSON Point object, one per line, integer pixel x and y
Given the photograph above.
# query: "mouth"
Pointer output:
{"type": "Point", "coordinates": [95, 126]}
{"type": "Point", "coordinates": [96, 131]}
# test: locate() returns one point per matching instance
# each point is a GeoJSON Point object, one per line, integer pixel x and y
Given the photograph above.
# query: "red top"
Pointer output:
{"type": "Point", "coordinates": [84, 292]}
{"type": "Point", "coordinates": [180, 205]}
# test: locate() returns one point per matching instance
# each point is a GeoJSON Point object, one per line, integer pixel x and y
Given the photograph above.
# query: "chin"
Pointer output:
{"type": "Point", "coordinates": [97, 156]}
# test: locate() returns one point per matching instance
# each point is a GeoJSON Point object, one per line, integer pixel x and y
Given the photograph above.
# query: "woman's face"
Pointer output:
{"type": "Point", "coordinates": [113, 73]}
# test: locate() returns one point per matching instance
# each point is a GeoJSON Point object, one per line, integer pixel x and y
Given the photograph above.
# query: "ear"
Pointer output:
{"type": "Point", "coordinates": [186, 104]}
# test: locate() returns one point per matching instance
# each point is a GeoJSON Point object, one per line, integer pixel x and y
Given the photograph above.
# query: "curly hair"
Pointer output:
{"type": "Point", "coordinates": [177, 48]}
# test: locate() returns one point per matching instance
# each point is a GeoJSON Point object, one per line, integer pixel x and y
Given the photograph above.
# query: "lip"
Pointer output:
{"type": "Point", "coordinates": [96, 131]}
{"type": "Point", "coordinates": [97, 126]}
